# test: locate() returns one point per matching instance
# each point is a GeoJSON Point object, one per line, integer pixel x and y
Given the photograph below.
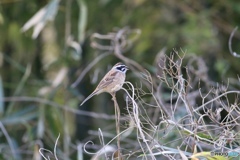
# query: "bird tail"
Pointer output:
{"type": "Point", "coordinates": [90, 96]}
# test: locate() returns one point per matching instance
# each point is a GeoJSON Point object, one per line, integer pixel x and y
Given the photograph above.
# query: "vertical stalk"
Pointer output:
{"type": "Point", "coordinates": [117, 115]}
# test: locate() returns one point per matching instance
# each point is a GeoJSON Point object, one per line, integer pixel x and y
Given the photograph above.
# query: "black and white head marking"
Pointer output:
{"type": "Point", "coordinates": [122, 68]}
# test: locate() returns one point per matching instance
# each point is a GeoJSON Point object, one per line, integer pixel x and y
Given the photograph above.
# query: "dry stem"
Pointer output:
{"type": "Point", "coordinates": [117, 115]}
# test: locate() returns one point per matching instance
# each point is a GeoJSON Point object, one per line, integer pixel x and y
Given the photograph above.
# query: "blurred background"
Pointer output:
{"type": "Point", "coordinates": [49, 62]}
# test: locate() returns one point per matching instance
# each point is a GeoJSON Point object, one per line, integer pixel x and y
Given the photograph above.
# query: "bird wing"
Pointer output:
{"type": "Point", "coordinates": [107, 80]}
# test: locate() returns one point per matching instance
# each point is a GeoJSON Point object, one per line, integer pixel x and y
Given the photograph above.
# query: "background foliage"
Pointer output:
{"type": "Point", "coordinates": [39, 98]}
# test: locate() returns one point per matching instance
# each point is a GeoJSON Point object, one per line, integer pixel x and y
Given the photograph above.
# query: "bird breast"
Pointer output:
{"type": "Point", "coordinates": [116, 88]}
{"type": "Point", "coordinates": [118, 82]}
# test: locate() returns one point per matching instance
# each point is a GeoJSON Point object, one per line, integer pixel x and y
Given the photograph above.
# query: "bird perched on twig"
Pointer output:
{"type": "Point", "coordinates": [111, 82]}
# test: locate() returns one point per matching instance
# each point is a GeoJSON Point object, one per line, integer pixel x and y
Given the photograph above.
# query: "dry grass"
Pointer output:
{"type": "Point", "coordinates": [173, 112]}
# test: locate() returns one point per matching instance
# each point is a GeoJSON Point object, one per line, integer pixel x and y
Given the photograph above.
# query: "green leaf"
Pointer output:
{"type": "Point", "coordinates": [22, 116]}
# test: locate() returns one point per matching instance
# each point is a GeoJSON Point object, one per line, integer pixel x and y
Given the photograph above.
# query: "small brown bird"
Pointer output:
{"type": "Point", "coordinates": [111, 82]}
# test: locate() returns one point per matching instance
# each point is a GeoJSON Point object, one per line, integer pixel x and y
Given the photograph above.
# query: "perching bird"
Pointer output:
{"type": "Point", "coordinates": [111, 82]}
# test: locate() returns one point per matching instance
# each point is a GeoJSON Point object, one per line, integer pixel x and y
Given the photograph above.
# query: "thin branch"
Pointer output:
{"type": "Point", "coordinates": [230, 43]}
{"type": "Point", "coordinates": [135, 117]}
{"type": "Point", "coordinates": [117, 114]}
{"type": "Point", "coordinates": [67, 108]}
{"type": "Point", "coordinates": [84, 72]}
{"type": "Point", "coordinates": [55, 147]}
{"type": "Point", "coordinates": [214, 99]}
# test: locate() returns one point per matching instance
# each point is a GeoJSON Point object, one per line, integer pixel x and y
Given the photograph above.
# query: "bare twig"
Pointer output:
{"type": "Point", "coordinates": [83, 73]}
{"type": "Point", "coordinates": [230, 43]}
{"type": "Point", "coordinates": [54, 152]}
{"type": "Point", "coordinates": [214, 99]}
{"type": "Point", "coordinates": [135, 118]}
{"type": "Point", "coordinates": [69, 109]}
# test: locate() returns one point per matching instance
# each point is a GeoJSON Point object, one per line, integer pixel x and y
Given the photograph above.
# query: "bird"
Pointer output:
{"type": "Point", "coordinates": [111, 82]}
